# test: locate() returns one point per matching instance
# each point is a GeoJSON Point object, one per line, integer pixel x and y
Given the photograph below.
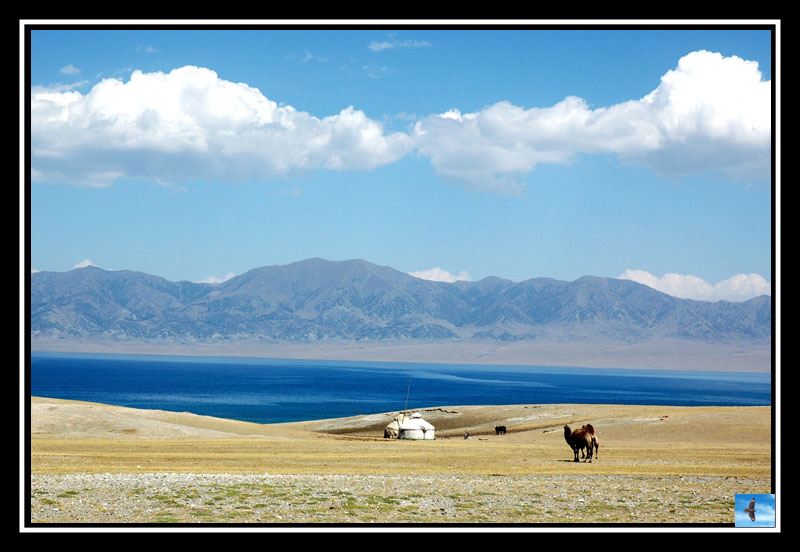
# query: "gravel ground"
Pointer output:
{"type": "Point", "coordinates": [163, 498]}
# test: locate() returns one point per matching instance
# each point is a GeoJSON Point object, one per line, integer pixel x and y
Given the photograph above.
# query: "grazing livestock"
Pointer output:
{"type": "Point", "coordinates": [590, 429]}
{"type": "Point", "coordinates": [578, 440]}
{"type": "Point", "coordinates": [499, 430]}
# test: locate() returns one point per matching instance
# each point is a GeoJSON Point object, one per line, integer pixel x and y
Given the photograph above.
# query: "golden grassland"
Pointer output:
{"type": "Point", "coordinates": [651, 445]}
{"type": "Point", "coordinates": [720, 441]}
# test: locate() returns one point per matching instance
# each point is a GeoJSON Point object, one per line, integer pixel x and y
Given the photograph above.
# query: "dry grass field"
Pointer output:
{"type": "Point", "coordinates": [92, 463]}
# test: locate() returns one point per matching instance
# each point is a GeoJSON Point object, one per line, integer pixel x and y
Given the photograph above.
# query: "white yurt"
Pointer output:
{"type": "Point", "coordinates": [414, 427]}
{"type": "Point", "coordinates": [392, 431]}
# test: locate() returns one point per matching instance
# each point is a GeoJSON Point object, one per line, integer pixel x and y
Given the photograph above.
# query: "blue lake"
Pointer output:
{"type": "Point", "coordinates": [273, 391]}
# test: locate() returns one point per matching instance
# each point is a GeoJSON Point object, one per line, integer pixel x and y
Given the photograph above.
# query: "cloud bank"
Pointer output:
{"type": "Point", "coordinates": [685, 286]}
{"type": "Point", "coordinates": [189, 123]}
{"type": "Point", "coordinates": [737, 288]}
{"type": "Point", "coordinates": [710, 113]}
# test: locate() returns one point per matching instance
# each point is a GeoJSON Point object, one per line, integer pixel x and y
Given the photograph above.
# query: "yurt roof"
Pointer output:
{"type": "Point", "coordinates": [415, 421]}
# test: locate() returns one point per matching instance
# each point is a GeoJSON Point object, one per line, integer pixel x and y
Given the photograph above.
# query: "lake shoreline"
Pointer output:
{"type": "Point", "coordinates": [266, 390]}
{"type": "Point", "coordinates": [660, 355]}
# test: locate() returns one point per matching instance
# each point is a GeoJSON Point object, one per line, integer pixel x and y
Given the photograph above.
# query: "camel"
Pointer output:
{"type": "Point", "coordinates": [578, 440]}
{"type": "Point", "coordinates": [590, 429]}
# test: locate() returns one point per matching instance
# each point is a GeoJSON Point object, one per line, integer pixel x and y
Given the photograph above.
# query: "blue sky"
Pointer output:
{"type": "Point", "coordinates": [200, 154]}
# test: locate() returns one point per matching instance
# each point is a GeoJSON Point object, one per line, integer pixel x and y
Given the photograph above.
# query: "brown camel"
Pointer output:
{"type": "Point", "coordinates": [578, 440]}
{"type": "Point", "coordinates": [590, 429]}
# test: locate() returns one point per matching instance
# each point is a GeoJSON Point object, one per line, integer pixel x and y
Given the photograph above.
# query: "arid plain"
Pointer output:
{"type": "Point", "coordinates": [102, 464]}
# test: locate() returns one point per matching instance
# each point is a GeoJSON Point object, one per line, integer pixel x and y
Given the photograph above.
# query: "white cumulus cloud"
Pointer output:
{"type": "Point", "coordinates": [440, 275]}
{"type": "Point", "coordinates": [709, 113]}
{"type": "Point", "coordinates": [191, 123]}
{"type": "Point", "coordinates": [740, 287]}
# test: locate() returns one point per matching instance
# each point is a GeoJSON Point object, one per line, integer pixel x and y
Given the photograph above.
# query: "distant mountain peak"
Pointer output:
{"type": "Point", "coordinates": [318, 299]}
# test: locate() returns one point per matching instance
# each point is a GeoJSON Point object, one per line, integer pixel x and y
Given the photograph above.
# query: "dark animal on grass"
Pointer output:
{"type": "Point", "coordinates": [499, 430]}
{"type": "Point", "coordinates": [590, 429]}
{"type": "Point", "coordinates": [578, 440]}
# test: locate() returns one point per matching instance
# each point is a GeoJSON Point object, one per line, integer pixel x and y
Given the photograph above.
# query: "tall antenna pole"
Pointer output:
{"type": "Point", "coordinates": [407, 393]}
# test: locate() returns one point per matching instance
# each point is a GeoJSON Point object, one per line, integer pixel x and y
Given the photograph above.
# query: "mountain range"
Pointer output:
{"type": "Point", "coordinates": [317, 300]}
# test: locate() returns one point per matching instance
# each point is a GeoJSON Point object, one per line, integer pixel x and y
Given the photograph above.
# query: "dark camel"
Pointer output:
{"type": "Point", "coordinates": [578, 440]}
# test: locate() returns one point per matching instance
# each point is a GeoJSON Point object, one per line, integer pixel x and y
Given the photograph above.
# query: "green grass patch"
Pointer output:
{"type": "Point", "coordinates": [166, 517]}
